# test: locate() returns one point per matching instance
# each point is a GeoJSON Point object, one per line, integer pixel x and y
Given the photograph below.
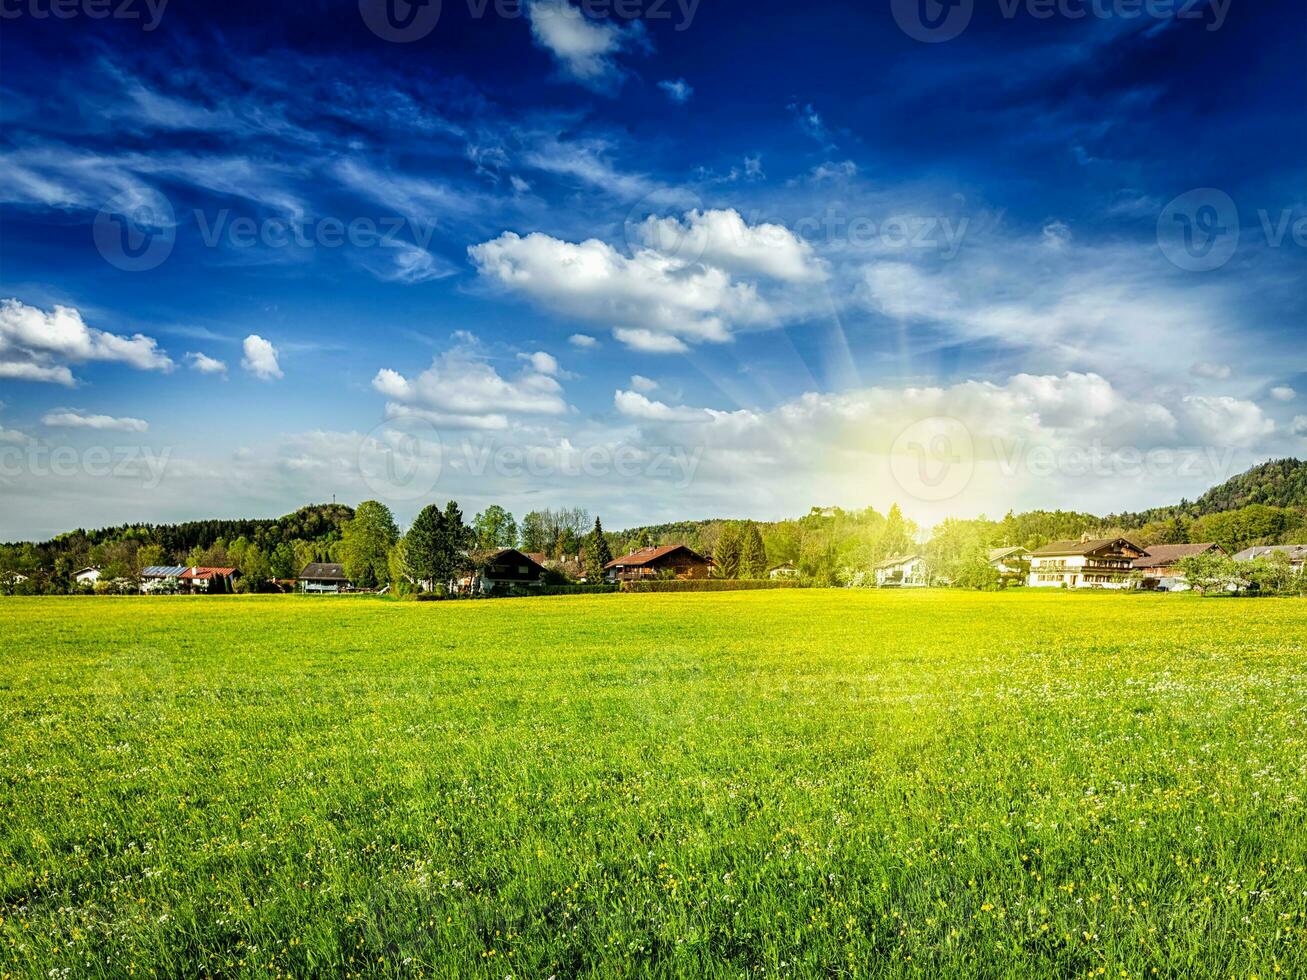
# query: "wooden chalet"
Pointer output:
{"type": "Point", "coordinates": [667, 561]}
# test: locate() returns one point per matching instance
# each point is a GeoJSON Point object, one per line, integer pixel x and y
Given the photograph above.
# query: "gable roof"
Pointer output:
{"type": "Point", "coordinates": [327, 571]}
{"type": "Point", "coordinates": [1083, 547]}
{"type": "Point", "coordinates": [899, 560]}
{"type": "Point", "coordinates": [996, 553]}
{"type": "Point", "coordinates": [1168, 554]}
{"type": "Point", "coordinates": [201, 572]}
{"type": "Point", "coordinates": [1296, 552]}
{"type": "Point", "coordinates": [515, 556]}
{"type": "Point", "coordinates": [647, 556]}
{"type": "Point", "coordinates": [163, 571]}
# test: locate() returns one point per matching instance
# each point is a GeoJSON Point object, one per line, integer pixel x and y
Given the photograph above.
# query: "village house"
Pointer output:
{"type": "Point", "coordinates": [902, 571]}
{"type": "Point", "coordinates": [504, 569]}
{"type": "Point", "coordinates": [1011, 563]}
{"type": "Point", "coordinates": [1090, 563]}
{"type": "Point", "coordinates": [667, 561]}
{"type": "Point", "coordinates": [1297, 553]}
{"type": "Point", "coordinates": [162, 578]}
{"type": "Point", "coordinates": [1158, 565]}
{"type": "Point", "coordinates": [784, 570]}
{"type": "Point", "coordinates": [323, 576]}
{"type": "Point", "coordinates": [87, 576]}
{"type": "Point", "coordinates": [202, 580]}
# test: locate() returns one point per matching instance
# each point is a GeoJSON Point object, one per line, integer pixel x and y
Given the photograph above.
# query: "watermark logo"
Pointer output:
{"type": "Point", "coordinates": [932, 21]}
{"type": "Point", "coordinates": [135, 235]}
{"type": "Point", "coordinates": [1199, 230]}
{"type": "Point", "coordinates": [934, 458]}
{"type": "Point", "coordinates": [400, 21]}
{"type": "Point", "coordinates": [402, 458]}
{"type": "Point", "coordinates": [148, 13]}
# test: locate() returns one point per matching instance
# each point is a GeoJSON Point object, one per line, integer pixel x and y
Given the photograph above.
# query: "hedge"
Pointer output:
{"type": "Point", "coordinates": [711, 585]}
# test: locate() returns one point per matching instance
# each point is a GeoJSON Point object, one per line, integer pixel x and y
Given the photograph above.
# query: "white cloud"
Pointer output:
{"type": "Point", "coordinates": [66, 418]}
{"type": "Point", "coordinates": [206, 364]}
{"type": "Point", "coordinates": [36, 345]}
{"type": "Point", "coordinates": [721, 238]}
{"type": "Point", "coordinates": [584, 48]}
{"type": "Point", "coordinates": [1283, 393]}
{"type": "Point", "coordinates": [677, 89]}
{"type": "Point", "coordinates": [1299, 425]}
{"type": "Point", "coordinates": [1056, 235]}
{"type": "Point", "coordinates": [541, 362]}
{"type": "Point", "coordinates": [1210, 371]}
{"type": "Point", "coordinates": [583, 341]}
{"type": "Point", "coordinates": [461, 390]}
{"type": "Point", "coordinates": [649, 342]}
{"type": "Point", "coordinates": [834, 170]}
{"type": "Point", "coordinates": [261, 358]}
{"type": "Point", "coordinates": [635, 405]}
{"type": "Point", "coordinates": [640, 383]}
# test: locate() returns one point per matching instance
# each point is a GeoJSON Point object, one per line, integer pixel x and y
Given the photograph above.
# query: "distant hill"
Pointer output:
{"type": "Point", "coordinates": [1280, 483]}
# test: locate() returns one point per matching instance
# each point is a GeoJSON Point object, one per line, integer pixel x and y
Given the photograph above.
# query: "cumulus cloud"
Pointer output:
{"type": "Point", "coordinates": [461, 390]}
{"type": "Point", "coordinates": [684, 281]}
{"type": "Point", "coordinates": [541, 362]}
{"type": "Point", "coordinates": [205, 364]}
{"type": "Point", "coordinates": [677, 89]}
{"type": "Point", "coordinates": [261, 358]}
{"type": "Point", "coordinates": [1299, 425]}
{"type": "Point", "coordinates": [1283, 393]}
{"type": "Point", "coordinates": [66, 418]}
{"type": "Point", "coordinates": [36, 345]}
{"type": "Point", "coordinates": [584, 48]}
{"type": "Point", "coordinates": [637, 406]}
{"type": "Point", "coordinates": [583, 341]}
{"type": "Point", "coordinates": [640, 383]}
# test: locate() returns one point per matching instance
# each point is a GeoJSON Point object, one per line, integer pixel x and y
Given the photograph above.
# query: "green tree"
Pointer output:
{"type": "Point", "coordinates": [753, 554]}
{"type": "Point", "coordinates": [597, 553]}
{"type": "Point", "coordinates": [457, 539]}
{"type": "Point", "coordinates": [365, 544]}
{"type": "Point", "coordinates": [255, 569]}
{"type": "Point", "coordinates": [494, 528]}
{"type": "Point", "coordinates": [726, 554]}
{"type": "Point", "coordinates": [424, 546]}
{"type": "Point", "coordinates": [282, 561]}
{"type": "Point", "coordinates": [535, 532]}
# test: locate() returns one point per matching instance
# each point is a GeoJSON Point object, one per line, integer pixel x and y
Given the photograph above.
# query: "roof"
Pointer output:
{"type": "Point", "coordinates": [1168, 554]}
{"type": "Point", "coordinates": [88, 568]}
{"type": "Point", "coordinates": [647, 556]}
{"type": "Point", "coordinates": [539, 557]}
{"type": "Point", "coordinates": [202, 572]}
{"type": "Point", "coordinates": [1081, 547]}
{"type": "Point", "coordinates": [996, 553]}
{"type": "Point", "coordinates": [324, 570]}
{"type": "Point", "coordinates": [502, 552]}
{"type": "Point", "coordinates": [163, 571]}
{"type": "Point", "coordinates": [899, 560]}
{"type": "Point", "coordinates": [1296, 552]}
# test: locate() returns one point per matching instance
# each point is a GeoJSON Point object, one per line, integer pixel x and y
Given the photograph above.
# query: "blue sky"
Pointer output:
{"type": "Point", "coordinates": [656, 259]}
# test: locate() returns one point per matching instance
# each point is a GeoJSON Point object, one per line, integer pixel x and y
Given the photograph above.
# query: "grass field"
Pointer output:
{"type": "Point", "coordinates": [807, 783]}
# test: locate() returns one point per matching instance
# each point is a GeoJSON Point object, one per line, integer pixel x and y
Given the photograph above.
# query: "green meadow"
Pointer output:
{"type": "Point", "coordinates": [834, 783]}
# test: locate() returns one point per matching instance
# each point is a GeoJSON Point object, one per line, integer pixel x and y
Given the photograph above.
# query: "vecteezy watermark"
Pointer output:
{"type": "Point", "coordinates": [934, 458]}
{"type": "Point", "coordinates": [405, 457]}
{"type": "Point", "coordinates": [406, 21]}
{"type": "Point", "coordinates": [146, 12]}
{"type": "Point", "coordinates": [695, 233]}
{"type": "Point", "coordinates": [933, 21]}
{"type": "Point", "coordinates": [133, 233]}
{"type": "Point", "coordinates": [128, 463]}
{"type": "Point", "coordinates": [1199, 231]}
{"type": "Point", "coordinates": [1018, 457]}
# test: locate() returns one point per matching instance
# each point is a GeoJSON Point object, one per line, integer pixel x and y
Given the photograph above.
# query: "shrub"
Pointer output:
{"type": "Point", "coordinates": [712, 585]}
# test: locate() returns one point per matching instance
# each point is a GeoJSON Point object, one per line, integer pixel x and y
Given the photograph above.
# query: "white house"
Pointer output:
{"type": "Point", "coordinates": [1090, 563]}
{"type": "Point", "coordinates": [784, 570]}
{"type": "Point", "coordinates": [902, 571]}
{"type": "Point", "coordinates": [323, 576]}
{"type": "Point", "coordinates": [86, 576]}
{"type": "Point", "coordinates": [1010, 563]}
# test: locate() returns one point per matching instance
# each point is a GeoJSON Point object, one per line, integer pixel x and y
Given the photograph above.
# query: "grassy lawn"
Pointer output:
{"type": "Point", "coordinates": [801, 783]}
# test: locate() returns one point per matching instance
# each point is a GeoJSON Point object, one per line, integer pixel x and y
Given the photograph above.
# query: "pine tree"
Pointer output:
{"type": "Point", "coordinates": [753, 553]}
{"type": "Point", "coordinates": [726, 556]}
{"type": "Point", "coordinates": [456, 539]}
{"type": "Point", "coordinates": [597, 553]}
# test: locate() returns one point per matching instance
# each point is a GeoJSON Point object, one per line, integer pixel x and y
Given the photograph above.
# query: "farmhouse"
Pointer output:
{"type": "Point", "coordinates": [902, 571]}
{"type": "Point", "coordinates": [504, 569]}
{"type": "Point", "coordinates": [211, 581]}
{"type": "Point", "coordinates": [1297, 553]}
{"type": "Point", "coordinates": [162, 578]}
{"type": "Point", "coordinates": [86, 576]}
{"type": "Point", "coordinates": [1090, 563]}
{"type": "Point", "coordinates": [668, 561]}
{"type": "Point", "coordinates": [322, 576]}
{"type": "Point", "coordinates": [1157, 566]}
{"type": "Point", "coordinates": [1011, 563]}
{"type": "Point", "coordinates": [784, 570]}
